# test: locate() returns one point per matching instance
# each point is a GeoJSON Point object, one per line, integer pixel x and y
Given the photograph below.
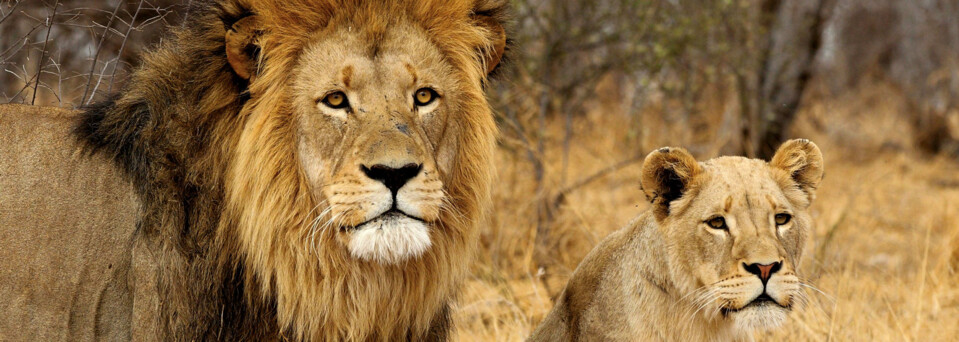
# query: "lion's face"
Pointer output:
{"type": "Point", "coordinates": [363, 163]}
{"type": "Point", "coordinates": [371, 122]}
{"type": "Point", "coordinates": [736, 233]}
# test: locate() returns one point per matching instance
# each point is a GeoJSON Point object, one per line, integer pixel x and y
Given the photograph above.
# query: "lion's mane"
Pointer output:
{"type": "Point", "coordinates": [224, 203]}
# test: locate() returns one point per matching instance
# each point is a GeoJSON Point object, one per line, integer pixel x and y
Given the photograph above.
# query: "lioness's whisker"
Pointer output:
{"type": "Point", "coordinates": [814, 288]}
{"type": "Point", "coordinates": [702, 298]}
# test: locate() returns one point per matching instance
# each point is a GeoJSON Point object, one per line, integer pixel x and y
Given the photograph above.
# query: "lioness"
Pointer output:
{"type": "Point", "coordinates": [712, 260]}
{"type": "Point", "coordinates": [273, 170]}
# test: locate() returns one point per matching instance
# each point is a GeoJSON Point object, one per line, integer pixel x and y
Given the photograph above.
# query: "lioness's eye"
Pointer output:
{"type": "Point", "coordinates": [716, 223]}
{"type": "Point", "coordinates": [782, 219]}
{"type": "Point", "coordinates": [336, 100]}
{"type": "Point", "coordinates": [424, 96]}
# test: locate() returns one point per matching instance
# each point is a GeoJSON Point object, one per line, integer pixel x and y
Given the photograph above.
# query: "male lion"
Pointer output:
{"type": "Point", "coordinates": [275, 170]}
{"type": "Point", "coordinates": [713, 259]}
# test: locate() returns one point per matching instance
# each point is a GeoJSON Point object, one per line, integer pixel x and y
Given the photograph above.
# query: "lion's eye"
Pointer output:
{"type": "Point", "coordinates": [336, 100]}
{"type": "Point", "coordinates": [782, 219]}
{"type": "Point", "coordinates": [424, 96]}
{"type": "Point", "coordinates": [716, 223]}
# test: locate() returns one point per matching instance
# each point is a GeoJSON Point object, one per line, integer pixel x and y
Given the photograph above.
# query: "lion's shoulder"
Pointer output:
{"type": "Point", "coordinates": [67, 220]}
{"type": "Point", "coordinates": [11, 113]}
{"type": "Point", "coordinates": [597, 283]}
{"type": "Point", "coordinates": [25, 127]}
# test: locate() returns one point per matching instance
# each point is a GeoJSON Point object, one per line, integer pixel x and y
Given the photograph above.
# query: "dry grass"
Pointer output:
{"type": "Point", "coordinates": [884, 252]}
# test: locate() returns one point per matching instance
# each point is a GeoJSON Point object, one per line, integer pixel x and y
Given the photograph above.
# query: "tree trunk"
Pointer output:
{"type": "Point", "coordinates": [794, 39]}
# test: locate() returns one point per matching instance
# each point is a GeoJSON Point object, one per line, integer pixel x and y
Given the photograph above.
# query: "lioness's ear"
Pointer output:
{"type": "Point", "coordinates": [667, 173]}
{"type": "Point", "coordinates": [241, 48]}
{"type": "Point", "coordinates": [802, 160]}
{"type": "Point", "coordinates": [491, 16]}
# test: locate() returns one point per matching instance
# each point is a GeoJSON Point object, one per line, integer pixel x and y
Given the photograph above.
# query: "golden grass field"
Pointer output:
{"type": "Point", "coordinates": [884, 252]}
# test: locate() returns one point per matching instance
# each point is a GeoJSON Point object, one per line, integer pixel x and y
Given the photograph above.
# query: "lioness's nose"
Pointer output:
{"type": "Point", "coordinates": [393, 178]}
{"type": "Point", "coordinates": [763, 271]}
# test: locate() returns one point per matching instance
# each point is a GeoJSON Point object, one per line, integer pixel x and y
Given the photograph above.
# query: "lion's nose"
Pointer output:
{"type": "Point", "coordinates": [763, 271]}
{"type": "Point", "coordinates": [393, 178]}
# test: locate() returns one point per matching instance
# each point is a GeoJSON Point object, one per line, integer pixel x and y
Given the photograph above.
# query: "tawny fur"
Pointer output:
{"type": "Point", "coordinates": [667, 276]}
{"type": "Point", "coordinates": [66, 222]}
{"type": "Point", "coordinates": [225, 206]}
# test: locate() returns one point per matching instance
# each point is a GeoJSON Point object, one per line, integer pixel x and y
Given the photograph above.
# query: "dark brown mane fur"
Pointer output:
{"type": "Point", "coordinates": [163, 131]}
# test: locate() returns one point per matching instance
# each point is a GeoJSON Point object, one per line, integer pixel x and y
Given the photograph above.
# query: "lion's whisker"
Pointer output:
{"type": "Point", "coordinates": [454, 212]}
{"type": "Point", "coordinates": [314, 230]}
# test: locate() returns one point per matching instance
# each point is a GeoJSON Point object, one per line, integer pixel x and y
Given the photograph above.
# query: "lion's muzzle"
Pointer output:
{"type": "Point", "coordinates": [761, 300]}
{"type": "Point", "coordinates": [393, 178]}
{"type": "Point", "coordinates": [385, 203]}
{"type": "Point", "coordinates": [395, 234]}
{"type": "Point", "coordinates": [390, 238]}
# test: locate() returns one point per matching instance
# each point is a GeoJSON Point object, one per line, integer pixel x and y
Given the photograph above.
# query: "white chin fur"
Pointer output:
{"type": "Point", "coordinates": [390, 239]}
{"type": "Point", "coordinates": [764, 317]}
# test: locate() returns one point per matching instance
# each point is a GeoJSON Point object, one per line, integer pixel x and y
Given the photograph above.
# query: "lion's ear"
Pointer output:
{"type": "Point", "coordinates": [802, 160]}
{"type": "Point", "coordinates": [241, 48]}
{"type": "Point", "coordinates": [491, 16]}
{"type": "Point", "coordinates": [667, 174]}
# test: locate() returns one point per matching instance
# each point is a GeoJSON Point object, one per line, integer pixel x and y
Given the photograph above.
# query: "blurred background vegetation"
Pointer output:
{"type": "Point", "coordinates": [591, 86]}
{"type": "Point", "coordinates": [765, 55]}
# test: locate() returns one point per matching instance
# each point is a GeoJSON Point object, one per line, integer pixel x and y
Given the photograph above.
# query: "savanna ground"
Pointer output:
{"type": "Point", "coordinates": [883, 254]}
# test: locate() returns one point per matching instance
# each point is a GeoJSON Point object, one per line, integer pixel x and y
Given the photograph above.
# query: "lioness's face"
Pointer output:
{"type": "Point", "coordinates": [744, 235]}
{"type": "Point", "coordinates": [373, 137]}
{"type": "Point", "coordinates": [735, 229]}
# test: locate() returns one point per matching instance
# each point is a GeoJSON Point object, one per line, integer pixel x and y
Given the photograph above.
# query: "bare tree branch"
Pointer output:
{"type": "Point", "coordinates": [560, 195]}
{"type": "Point", "coordinates": [96, 54]}
{"type": "Point", "coordinates": [12, 9]}
{"type": "Point", "coordinates": [43, 52]}
{"type": "Point", "coordinates": [126, 36]}
{"type": "Point", "coordinates": [18, 46]}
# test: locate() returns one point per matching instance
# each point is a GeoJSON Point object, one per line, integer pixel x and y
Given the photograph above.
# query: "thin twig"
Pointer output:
{"type": "Point", "coordinates": [96, 54]}
{"type": "Point", "coordinates": [12, 9]}
{"type": "Point", "coordinates": [103, 71]}
{"type": "Point", "coordinates": [59, 91]}
{"type": "Point", "coordinates": [50, 21]}
{"type": "Point", "coordinates": [18, 46]}
{"type": "Point", "coordinates": [186, 14]}
{"type": "Point", "coordinates": [25, 86]}
{"type": "Point", "coordinates": [126, 36]}
{"type": "Point", "coordinates": [561, 195]}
